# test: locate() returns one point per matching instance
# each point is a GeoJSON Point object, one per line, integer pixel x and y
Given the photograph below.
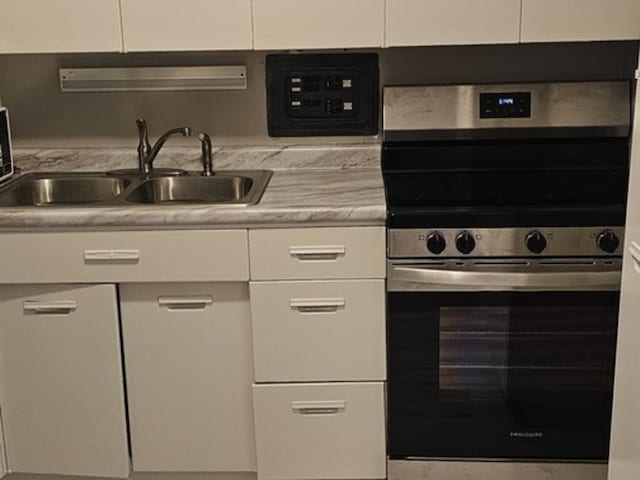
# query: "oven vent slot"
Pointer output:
{"type": "Point", "coordinates": [567, 263]}
{"type": "Point", "coordinates": [490, 263]}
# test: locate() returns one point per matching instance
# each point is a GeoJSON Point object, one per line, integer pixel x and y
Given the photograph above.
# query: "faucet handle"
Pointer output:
{"type": "Point", "coordinates": [207, 154]}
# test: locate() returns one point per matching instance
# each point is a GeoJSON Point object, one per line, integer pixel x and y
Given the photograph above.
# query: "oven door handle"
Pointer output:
{"type": "Point", "coordinates": [502, 280]}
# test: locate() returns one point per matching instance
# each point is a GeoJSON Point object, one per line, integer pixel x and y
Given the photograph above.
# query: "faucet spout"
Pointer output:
{"type": "Point", "coordinates": [147, 153]}
{"type": "Point", "coordinates": [207, 155]}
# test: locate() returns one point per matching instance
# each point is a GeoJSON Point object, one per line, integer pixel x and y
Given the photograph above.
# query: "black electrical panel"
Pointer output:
{"type": "Point", "coordinates": [322, 95]}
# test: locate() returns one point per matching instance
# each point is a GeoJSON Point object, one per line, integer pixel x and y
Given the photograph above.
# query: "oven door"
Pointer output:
{"type": "Point", "coordinates": [501, 363]}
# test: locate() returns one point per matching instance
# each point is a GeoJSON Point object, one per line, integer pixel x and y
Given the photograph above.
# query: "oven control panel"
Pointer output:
{"type": "Point", "coordinates": [505, 105]}
{"type": "Point", "coordinates": [506, 242]}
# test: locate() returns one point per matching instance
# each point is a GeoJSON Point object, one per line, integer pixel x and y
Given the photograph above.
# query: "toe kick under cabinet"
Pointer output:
{"type": "Point", "coordinates": [318, 318]}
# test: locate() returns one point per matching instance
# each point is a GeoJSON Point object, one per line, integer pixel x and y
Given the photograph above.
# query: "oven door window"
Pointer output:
{"type": "Point", "coordinates": [501, 375]}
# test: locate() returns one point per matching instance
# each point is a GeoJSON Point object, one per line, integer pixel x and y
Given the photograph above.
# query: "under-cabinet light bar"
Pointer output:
{"type": "Point", "coordinates": [153, 79]}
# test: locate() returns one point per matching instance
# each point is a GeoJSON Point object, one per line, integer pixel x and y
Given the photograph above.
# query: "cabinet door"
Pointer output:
{"type": "Point", "coordinates": [580, 20]}
{"type": "Point", "coordinates": [63, 409]}
{"type": "Point", "coordinates": [44, 26]}
{"type": "Point", "coordinates": [284, 24]}
{"type": "Point", "coordinates": [434, 22]}
{"type": "Point", "coordinates": [3, 465]}
{"type": "Point", "coordinates": [189, 372]}
{"type": "Point", "coordinates": [165, 25]}
{"type": "Point", "coordinates": [624, 461]}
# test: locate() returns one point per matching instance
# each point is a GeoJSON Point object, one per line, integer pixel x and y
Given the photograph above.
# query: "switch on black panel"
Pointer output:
{"type": "Point", "coordinates": [324, 94]}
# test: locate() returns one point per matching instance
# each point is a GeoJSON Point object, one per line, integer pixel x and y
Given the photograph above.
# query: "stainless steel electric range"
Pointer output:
{"type": "Point", "coordinates": [506, 209]}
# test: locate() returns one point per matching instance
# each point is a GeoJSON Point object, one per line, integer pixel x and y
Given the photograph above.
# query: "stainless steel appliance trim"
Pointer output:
{"type": "Point", "coordinates": [504, 276]}
{"type": "Point", "coordinates": [6, 161]}
{"type": "Point", "coordinates": [453, 111]}
{"type": "Point", "coordinates": [502, 242]}
{"type": "Point", "coordinates": [429, 469]}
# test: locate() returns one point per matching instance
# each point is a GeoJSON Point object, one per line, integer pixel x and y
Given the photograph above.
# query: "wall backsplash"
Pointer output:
{"type": "Point", "coordinates": [42, 116]}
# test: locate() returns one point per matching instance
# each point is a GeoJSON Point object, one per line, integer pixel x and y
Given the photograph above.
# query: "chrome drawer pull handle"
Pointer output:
{"type": "Point", "coordinates": [112, 256]}
{"type": "Point", "coordinates": [328, 253]}
{"type": "Point", "coordinates": [317, 305]}
{"type": "Point", "coordinates": [62, 307]}
{"type": "Point", "coordinates": [322, 407]}
{"type": "Point", "coordinates": [185, 303]}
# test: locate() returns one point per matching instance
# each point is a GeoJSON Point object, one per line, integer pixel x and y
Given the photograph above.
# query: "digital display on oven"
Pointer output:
{"type": "Point", "coordinates": [505, 105]}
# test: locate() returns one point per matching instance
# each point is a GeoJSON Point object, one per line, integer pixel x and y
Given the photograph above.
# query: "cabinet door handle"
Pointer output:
{"type": "Point", "coordinates": [634, 251]}
{"type": "Point", "coordinates": [112, 256]}
{"type": "Point", "coordinates": [185, 303]}
{"type": "Point", "coordinates": [317, 305]}
{"type": "Point", "coordinates": [319, 407]}
{"type": "Point", "coordinates": [61, 307]}
{"type": "Point", "coordinates": [328, 253]}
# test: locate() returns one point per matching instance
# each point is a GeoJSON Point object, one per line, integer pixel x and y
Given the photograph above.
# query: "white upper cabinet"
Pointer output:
{"type": "Point", "coordinates": [438, 22]}
{"type": "Point", "coordinates": [44, 26]}
{"type": "Point", "coordinates": [166, 25]}
{"type": "Point", "coordinates": [301, 24]}
{"type": "Point", "coordinates": [624, 459]}
{"type": "Point", "coordinates": [580, 20]}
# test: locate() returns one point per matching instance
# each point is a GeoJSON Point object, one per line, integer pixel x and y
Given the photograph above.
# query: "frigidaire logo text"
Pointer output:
{"type": "Point", "coordinates": [526, 434]}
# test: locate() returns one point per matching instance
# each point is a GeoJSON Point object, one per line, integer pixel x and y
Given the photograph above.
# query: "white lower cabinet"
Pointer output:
{"type": "Point", "coordinates": [188, 362]}
{"type": "Point", "coordinates": [335, 331]}
{"type": "Point", "coordinates": [320, 431]}
{"type": "Point", "coordinates": [3, 464]}
{"type": "Point", "coordinates": [61, 380]}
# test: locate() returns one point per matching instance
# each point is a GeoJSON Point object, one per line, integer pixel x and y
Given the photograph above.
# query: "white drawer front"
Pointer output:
{"type": "Point", "coordinates": [321, 431]}
{"type": "Point", "coordinates": [317, 253]}
{"type": "Point", "coordinates": [335, 331]}
{"type": "Point", "coordinates": [214, 255]}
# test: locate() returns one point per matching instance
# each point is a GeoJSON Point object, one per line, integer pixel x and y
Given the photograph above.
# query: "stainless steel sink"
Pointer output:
{"type": "Point", "coordinates": [63, 191]}
{"type": "Point", "coordinates": [217, 189]}
{"type": "Point", "coordinates": [98, 189]}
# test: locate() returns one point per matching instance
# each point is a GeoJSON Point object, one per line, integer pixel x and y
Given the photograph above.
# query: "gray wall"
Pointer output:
{"type": "Point", "coordinates": [42, 116]}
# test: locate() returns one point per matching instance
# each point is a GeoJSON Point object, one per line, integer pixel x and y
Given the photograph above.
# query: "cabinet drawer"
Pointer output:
{"type": "Point", "coordinates": [317, 253]}
{"type": "Point", "coordinates": [159, 256]}
{"type": "Point", "coordinates": [335, 331]}
{"type": "Point", "coordinates": [321, 431]}
{"type": "Point", "coordinates": [284, 24]}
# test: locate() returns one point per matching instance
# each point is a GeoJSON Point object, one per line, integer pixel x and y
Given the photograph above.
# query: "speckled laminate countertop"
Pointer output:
{"type": "Point", "coordinates": [311, 186]}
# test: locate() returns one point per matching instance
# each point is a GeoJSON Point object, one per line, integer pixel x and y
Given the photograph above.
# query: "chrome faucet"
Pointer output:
{"type": "Point", "coordinates": [207, 155]}
{"type": "Point", "coordinates": [146, 153]}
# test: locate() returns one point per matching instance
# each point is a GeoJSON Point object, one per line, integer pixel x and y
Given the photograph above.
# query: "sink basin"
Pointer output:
{"type": "Point", "coordinates": [243, 187]}
{"type": "Point", "coordinates": [216, 189]}
{"type": "Point", "coordinates": [63, 191]}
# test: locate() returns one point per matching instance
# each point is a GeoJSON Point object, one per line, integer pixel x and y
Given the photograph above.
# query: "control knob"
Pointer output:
{"type": "Point", "coordinates": [536, 242]}
{"type": "Point", "coordinates": [608, 241]}
{"type": "Point", "coordinates": [465, 243]}
{"type": "Point", "coordinates": [436, 243]}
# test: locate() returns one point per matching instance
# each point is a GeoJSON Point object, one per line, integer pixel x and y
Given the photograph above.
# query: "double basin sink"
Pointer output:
{"type": "Point", "coordinates": [225, 188]}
